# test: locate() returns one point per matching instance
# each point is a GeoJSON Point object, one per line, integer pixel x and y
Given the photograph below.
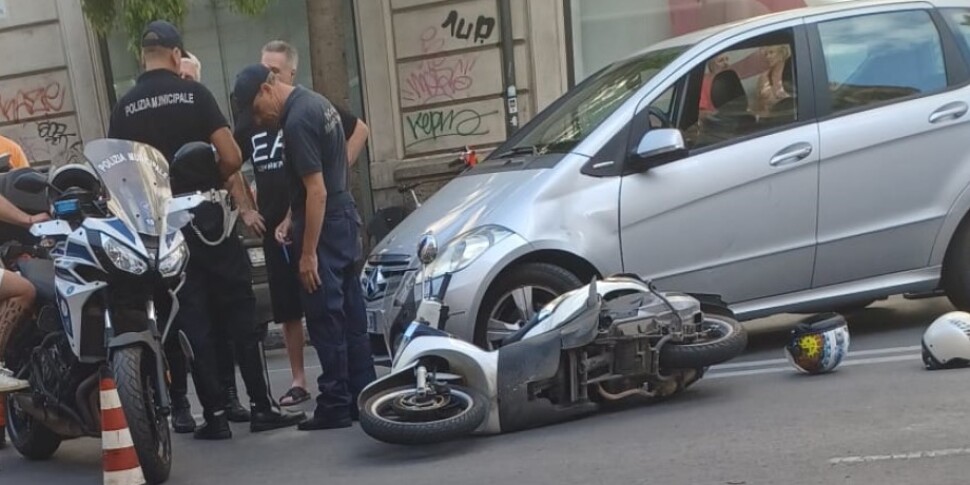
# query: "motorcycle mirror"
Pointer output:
{"type": "Point", "coordinates": [33, 183]}
{"type": "Point", "coordinates": [427, 249]}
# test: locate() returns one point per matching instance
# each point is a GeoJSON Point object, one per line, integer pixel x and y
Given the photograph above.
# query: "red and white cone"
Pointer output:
{"type": "Point", "coordinates": [121, 466]}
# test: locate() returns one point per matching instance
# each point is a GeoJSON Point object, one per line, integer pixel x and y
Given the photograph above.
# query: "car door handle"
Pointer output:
{"type": "Point", "coordinates": [792, 154]}
{"type": "Point", "coordinates": [949, 112]}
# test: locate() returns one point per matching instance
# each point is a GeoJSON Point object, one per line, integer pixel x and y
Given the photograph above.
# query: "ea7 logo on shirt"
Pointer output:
{"type": "Point", "coordinates": [160, 101]}
{"type": "Point", "coordinates": [266, 157]}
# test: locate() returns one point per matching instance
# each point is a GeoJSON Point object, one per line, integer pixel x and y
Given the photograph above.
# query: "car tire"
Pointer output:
{"type": "Point", "coordinates": [554, 278]}
{"type": "Point", "coordinates": [956, 268]}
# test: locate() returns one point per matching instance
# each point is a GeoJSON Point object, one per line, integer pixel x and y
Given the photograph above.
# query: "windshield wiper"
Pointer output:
{"type": "Point", "coordinates": [523, 150]}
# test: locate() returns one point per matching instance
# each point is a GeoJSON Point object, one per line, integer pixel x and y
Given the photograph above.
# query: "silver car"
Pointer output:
{"type": "Point", "coordinates": [796, 162]}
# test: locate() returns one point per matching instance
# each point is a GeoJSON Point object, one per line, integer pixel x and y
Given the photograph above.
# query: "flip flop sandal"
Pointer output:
{"type": "Point", "coordinates": [296, 395]}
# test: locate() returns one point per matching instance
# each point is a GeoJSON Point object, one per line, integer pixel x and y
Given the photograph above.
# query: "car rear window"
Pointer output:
{"type": "Point", "coordinates": [880, 57]}
{"type": "Point", "coordinates": [959, 19]}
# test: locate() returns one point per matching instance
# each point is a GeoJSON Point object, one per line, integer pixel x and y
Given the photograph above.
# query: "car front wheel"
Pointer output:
{"type": "Point", "coordinates": [516, 296]}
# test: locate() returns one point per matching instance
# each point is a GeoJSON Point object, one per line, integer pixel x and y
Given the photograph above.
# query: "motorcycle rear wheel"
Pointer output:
{"type": "Point", "coordinates": [392, 416]}
{"type": "Point", "coordinates": [133, 371]}
{"type": "Point", "coordinates": [729, 341]}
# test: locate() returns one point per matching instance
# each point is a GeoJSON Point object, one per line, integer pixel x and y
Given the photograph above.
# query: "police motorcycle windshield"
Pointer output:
{"type": "Point", "coordinates": [135, 177]}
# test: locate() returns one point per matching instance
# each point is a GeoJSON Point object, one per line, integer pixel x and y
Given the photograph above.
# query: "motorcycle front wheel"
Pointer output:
{"type": "Point", "coordinates": [399, 416]}
{"type": "Point", "coordinates": [134, 373]}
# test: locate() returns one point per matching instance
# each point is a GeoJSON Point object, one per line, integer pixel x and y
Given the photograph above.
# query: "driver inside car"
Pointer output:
{"type": "Point", "coordinates": [16, 295]}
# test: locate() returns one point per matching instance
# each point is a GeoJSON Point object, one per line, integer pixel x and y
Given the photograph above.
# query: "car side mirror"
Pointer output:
{"type": "Point", "coordinates": [4, 163]}
{"type": "Point", "coordinates": [657, 147]}
{"type": "Point", "coordinates": [32, 183]}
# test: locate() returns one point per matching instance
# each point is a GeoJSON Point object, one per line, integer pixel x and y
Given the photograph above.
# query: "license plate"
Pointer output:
{"type": "Point", "coordinates": [257, 257]}
{"type": "Point", "coordinates": [372, 320]}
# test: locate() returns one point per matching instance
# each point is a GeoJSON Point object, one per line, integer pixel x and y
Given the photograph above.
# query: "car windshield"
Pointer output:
{"type": "Point", "coordinates": [136, 178]}
{"type": "Point", "coordinates": [590, 103]}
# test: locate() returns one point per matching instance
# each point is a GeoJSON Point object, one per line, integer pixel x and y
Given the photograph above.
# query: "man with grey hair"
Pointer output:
{"type": "Point", "coordinates": [191, 68]}
{"type": "Point", "coordinates": [264, 147]}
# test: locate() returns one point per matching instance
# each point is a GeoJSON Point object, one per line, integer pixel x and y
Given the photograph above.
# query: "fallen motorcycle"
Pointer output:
{"type": "Point", "coordinates": [613, 340]}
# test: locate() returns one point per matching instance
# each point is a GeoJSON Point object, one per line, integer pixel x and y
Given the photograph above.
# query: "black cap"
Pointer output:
{"type": "Point", "coordinates": [162, 34]}
{"type": "Point", "coordinates": [248, 83]}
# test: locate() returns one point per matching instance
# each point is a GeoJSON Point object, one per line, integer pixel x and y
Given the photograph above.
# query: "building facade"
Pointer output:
{"type": "Point", "coordinates": [430, 77]}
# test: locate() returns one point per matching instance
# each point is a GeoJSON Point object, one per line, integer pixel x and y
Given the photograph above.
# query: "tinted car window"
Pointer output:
{"type": "Point", "coordinates": [959, 19]}
{"type": "Point", "coordinates": [881, 57]}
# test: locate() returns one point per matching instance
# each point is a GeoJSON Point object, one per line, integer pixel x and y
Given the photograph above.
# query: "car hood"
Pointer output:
{"type": "Point", "coordinates": [469, 201]}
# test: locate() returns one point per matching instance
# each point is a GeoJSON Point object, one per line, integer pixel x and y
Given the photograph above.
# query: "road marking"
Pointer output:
{"type": "Point", "coordinates": [915, 455]}
{"type": "Point", "coordinates": [857, 353]}
{"type": "Point", "coordinates": [846, 363]}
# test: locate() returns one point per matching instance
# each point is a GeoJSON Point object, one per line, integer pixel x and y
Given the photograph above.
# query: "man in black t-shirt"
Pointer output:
{"type": "Point", "coordinates": [325, 228]}
{"type": "Point", "coordinates": [168, 112]}
{"type": "Point", "coordinates": [264, 147]}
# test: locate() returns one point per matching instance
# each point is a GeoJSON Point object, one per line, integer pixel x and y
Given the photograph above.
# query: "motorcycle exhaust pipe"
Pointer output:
{"type": "Point", "coordinates": [53, 419]}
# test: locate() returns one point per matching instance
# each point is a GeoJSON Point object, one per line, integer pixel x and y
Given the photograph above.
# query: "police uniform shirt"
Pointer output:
{"type": "Point", "coordinates": [166, 112]}
{"type": "Point", "coordinates": [314, 142]}
{"type": "Point", "coordinates": [265, 149]}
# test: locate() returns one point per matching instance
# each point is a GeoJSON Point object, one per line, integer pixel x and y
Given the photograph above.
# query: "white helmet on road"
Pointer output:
{"type": "Point", "coordinates": [946, 343]}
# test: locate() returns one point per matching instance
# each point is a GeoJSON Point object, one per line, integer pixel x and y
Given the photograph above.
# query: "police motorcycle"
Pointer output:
{"type": "Point", "coordinates": [111, 251]}
{"type": "Point", "coordinates": [615, 340]}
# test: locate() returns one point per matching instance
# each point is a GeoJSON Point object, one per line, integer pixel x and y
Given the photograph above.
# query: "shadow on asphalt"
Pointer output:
{"type": "Point", "coordinates": [378, 454]}
{"type": "Point", "coordinates": [880, 317]}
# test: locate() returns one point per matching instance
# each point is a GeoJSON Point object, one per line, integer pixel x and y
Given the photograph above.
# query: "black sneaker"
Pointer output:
{"type": "Point", "coordinates": [235, 410]}
{"type": "Point", "coordinates": [272, 419]}
{"type": "Point", "coordinates": [323, 423]}
{"type": "Point", "coordinates": [215, 428]}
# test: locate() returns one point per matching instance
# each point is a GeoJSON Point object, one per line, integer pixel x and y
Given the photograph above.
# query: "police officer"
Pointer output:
{"type": "Point", "coordinates": [265, 149]}
{"type": "Point", "coordinates": [168, 112]}
{"type": "Point", "coordinates": [325, 227]}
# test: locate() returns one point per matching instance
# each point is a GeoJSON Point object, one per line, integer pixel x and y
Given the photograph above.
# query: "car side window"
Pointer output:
{"type": "Point", "coordinates": [741, 91]}
{"type": "Point", "coordinates": [881, 57]}
{"type": "Point", "coordinates": [959, 20]}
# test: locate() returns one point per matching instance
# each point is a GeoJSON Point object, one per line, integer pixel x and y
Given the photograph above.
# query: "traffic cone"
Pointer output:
{"type": "Point", "coordinates": [120, 462]}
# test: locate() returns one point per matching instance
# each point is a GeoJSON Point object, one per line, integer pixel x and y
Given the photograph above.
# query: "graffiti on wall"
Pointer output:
{"type": "Point", "coordinates": [450, 83]}
{"type": "Point", "coordinates": [431, 125]}
{"type": "Point", "coordinates": [460, 28]}
{"type": "Point", "coordinates": [34, 97]}
{"type": "Point", "coordinates": [54, 140]}
{"type": "Point", "coordinates": [439, 78]}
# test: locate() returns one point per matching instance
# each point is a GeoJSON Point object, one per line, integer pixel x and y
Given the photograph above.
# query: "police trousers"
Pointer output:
{"type": "Point", "coordinates": [217, 301]}
{"type": "Point", "coordinates": [335, 314]}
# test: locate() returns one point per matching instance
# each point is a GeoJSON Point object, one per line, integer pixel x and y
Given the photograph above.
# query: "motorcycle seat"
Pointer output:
{"type": "Point", "coordinates": [40, 273]}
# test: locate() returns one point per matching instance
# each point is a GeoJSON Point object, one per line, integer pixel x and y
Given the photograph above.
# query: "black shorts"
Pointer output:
{"type": "Point", "coordinates": [284, 285]}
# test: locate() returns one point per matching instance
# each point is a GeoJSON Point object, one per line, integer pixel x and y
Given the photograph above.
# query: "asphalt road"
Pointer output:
{"type": "Point", "coordinates": [880, 419]}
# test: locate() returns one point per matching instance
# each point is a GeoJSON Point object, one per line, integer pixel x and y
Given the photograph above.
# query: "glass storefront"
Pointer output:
{"type": "Point", "coordinates": [606, 30]}
{"type": "Point", "coordinates": [226, 41]}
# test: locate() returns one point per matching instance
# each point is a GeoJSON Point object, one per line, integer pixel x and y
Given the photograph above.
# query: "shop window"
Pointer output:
{"type": "Point", "coordinates": [881, 57]}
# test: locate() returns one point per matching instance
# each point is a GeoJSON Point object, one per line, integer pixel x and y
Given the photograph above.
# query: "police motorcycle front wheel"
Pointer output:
{"type": "Point", "coordinates": [134, 374]}
{"type": "Point", "coordinates": [427, 412]}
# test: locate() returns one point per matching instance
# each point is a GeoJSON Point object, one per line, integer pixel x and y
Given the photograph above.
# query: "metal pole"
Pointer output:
{"type": "Point", "coordinates": [508, 68]}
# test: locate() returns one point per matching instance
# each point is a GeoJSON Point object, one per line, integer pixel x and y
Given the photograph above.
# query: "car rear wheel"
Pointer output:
{"type": "Point", "coordinates": [956, 268]}
{"type": "Point", "coordinates": [516, 297]}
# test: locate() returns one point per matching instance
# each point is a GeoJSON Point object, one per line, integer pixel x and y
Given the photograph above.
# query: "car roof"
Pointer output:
{"type": "Point", "coordinates": [740, 26]}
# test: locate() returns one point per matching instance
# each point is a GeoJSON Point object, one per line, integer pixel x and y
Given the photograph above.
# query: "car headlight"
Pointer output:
{"type": "Point", "coordinates": [170, 265]}
{"type": "Point", "coordinates": [465, 249]}
{"type": "Point", "coordinates": [122, 257]}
